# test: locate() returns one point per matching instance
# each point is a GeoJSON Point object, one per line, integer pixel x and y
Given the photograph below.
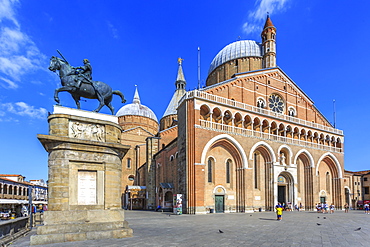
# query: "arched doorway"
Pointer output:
{"type": "Point", "coordinates": [219, 194]}
{"type": "Point", "coordinates": [323, 196]}
{"type": "Point", "coordinates": [285, 188]}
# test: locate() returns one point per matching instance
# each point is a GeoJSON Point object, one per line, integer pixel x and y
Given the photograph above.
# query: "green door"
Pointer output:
{"type": "Point", "coordinates": [219, 204]}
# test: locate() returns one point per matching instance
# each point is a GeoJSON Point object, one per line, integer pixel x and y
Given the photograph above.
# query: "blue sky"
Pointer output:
{"type": "Point", "coordinates": [321, 45]}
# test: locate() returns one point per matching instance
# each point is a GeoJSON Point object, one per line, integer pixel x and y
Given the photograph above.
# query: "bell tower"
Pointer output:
{"type": "Point", "coordinates": [269, 44]}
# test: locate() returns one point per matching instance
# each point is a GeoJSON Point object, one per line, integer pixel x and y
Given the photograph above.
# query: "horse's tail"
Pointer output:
{"type": "Point", "coordinates": [117, 92]}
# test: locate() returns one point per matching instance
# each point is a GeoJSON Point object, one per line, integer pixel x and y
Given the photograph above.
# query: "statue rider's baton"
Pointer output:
{"type": "Point", "coordinates": [62, 56]}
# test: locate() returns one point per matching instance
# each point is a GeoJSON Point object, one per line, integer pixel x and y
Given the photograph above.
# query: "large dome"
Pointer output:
{"type": "Point", "coordinates": [136, 109]}
{"type": "Point", "coordinates": [238, 49]}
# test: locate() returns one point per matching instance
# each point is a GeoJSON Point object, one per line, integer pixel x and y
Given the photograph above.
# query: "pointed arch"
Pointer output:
{"type": "Point", "coordinates": [265, 182]}
{"type": "Point", "coordinates": [334, 177]}
{"type": "Point", "coordinates": [308, 154]}
{"type": "Point", "coordinates": [335, 161]}
{"type": "Point", "coordinates": [237, 145]}
{"type": "Point", "coordinates": [236, 151]}
{"type": "Point", "coordinates": [305, 177]}
{"type": "Point", "coordinates": [267, 146]}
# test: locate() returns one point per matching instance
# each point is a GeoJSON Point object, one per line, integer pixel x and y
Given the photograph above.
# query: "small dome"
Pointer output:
{"type": "Point", "coordinates": [136, 109]}
{"type": "Point", "coordinates": [238, 49]}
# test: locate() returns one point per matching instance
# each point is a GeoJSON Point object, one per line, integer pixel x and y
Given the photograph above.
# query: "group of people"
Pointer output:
{"type": "Point", "coordinates": [325, 208]}
{"type": "Point", "coordinates": [320, 207]}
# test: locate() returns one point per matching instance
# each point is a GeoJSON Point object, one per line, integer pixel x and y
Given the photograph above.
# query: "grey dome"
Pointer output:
{"type": "Point", "coordinates": [136, 109]}
{"type": "Point", "coordinates": [238, 49]}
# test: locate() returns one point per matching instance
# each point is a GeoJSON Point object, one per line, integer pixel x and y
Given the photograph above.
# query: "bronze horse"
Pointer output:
{"type": "Point", "coordinates": [67, 77]}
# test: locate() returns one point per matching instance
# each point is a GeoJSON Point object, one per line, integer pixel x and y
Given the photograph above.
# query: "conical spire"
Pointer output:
{"type": "Point", "coordinates": [180, 81]}
{"type": "Point", "coordinates": [136, 96]}
{"type": "Point", "coordinates": [268, 22]}
{"type": "Point", "coordinates": [180, 91]}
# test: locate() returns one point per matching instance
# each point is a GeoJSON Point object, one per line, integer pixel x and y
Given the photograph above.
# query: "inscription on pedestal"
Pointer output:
{"type": "Point", "coordinates": [87, 187]}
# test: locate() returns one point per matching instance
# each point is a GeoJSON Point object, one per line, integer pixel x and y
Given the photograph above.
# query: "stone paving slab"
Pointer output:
{"type": "Point", "coordinates": [240, 229]}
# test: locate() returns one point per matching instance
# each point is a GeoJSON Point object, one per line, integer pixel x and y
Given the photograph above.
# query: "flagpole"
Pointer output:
{"type": "Point", "coordinates": [198, 67]}
{"type": "Point", "coordinates": [334, 115]}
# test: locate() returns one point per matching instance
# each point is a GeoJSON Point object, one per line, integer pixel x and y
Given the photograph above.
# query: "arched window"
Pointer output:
{"type": "Point", "coordinates": [327, 182]}
{"type": "Point", "coordinates": [210, 170]}
{"type": "Point", "coordinates": [128, 163]}
{"type": "Point", "coordinates": [261, 103]}
{"type": "Point", "coordinates": [318, 174]}
{"type": "Point", "coordinates": [228, 169]}
{"type": "Point", "coordinates": [255, 170]}
{"type": "Point", "coordinates": [291, 111]}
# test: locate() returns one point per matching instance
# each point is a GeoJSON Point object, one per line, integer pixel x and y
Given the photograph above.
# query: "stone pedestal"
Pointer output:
{"type": "Point", "coordinates": [84, 197]}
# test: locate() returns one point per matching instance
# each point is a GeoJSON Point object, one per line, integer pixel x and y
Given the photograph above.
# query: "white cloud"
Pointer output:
{"type": "Point", "coordinates": [9, 83]}
{"type": "Point", "coordinates": [258, 15]}
{"type": "Point", "coordinates": [113, 30]}
{"type": "Point", "coordinates": [19, 55]}
{"type": "Point", "coordinates": [7, 12]}
{"type": "Point", "coordinates": [23, 109]}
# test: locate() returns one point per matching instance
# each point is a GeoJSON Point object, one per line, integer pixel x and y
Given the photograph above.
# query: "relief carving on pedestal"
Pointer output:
{"type": "Point", "coordinates": [86, 131]}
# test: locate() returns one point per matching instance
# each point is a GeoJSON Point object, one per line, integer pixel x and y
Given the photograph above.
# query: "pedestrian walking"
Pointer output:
{"type": "Point", "coordinates": [346, 208]}
{"type": "Point", "coordinates": [279, 211]}
{"type": "Point", "coordinates": [318, 207]}
{"type": "Point", "coordinates": [367, 208]}
{"type": "Point", "coordinates": [332, 208]}
{"type": "Point", "coordinates": [326, 207]}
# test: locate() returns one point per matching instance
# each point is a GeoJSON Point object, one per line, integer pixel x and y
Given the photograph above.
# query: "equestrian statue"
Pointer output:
{"type": "Point", "coordinates": [78, 82]}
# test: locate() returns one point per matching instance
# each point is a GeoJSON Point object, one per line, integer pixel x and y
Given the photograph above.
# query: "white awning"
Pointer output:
{"type": "Point", "coordinates": [39, 202]}
{"type": "Point", "coordinates": [13, 201]}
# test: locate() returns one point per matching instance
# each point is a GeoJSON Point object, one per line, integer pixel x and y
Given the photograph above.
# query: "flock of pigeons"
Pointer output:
{"type": "Point", "coordinates": [357, 229]}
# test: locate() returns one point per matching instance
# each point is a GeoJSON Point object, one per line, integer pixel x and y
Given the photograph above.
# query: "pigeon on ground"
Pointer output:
{"type": "Point", "coordinates": [318, 224]}
{"type": "Point", "coordinates": [358, 229]}
{"type": "Point", "coordinates": [220, 231]}
{"type": "Point", "coordinates": [250, 215]}
{"type": "Point", "coordinates": [318, 217]}
{"type": "Point", "coordinates": [324, 218]}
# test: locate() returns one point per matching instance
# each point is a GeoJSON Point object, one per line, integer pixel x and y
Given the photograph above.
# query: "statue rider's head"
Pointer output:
{"type": "Point", "coordinates": [85, 61]}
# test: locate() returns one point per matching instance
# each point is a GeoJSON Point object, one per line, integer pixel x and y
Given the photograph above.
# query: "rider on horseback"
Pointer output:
{"type": "Point", "coordinates": [84, 73]}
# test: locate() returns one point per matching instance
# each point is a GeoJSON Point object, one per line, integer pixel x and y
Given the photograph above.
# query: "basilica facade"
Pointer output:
{"type": "Point", "coordinates": [247, 140]}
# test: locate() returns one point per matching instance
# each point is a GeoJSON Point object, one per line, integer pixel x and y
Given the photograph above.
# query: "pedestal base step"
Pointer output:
{"type": "Point", "coordinates": [80, 236]}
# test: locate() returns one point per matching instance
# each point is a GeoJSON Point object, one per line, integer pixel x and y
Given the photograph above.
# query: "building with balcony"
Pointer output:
{"type": "Point", "coordinates": [247, 140]}
{"type": "Point", "coordinates": [15, 194]}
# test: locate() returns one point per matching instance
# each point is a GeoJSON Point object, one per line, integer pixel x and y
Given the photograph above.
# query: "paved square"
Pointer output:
{"type": "Point", "coordinates": [249, 229]}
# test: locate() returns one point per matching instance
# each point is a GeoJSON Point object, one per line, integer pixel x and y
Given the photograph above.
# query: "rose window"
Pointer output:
{"type": "Point", "coordinates": [276, 103]}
